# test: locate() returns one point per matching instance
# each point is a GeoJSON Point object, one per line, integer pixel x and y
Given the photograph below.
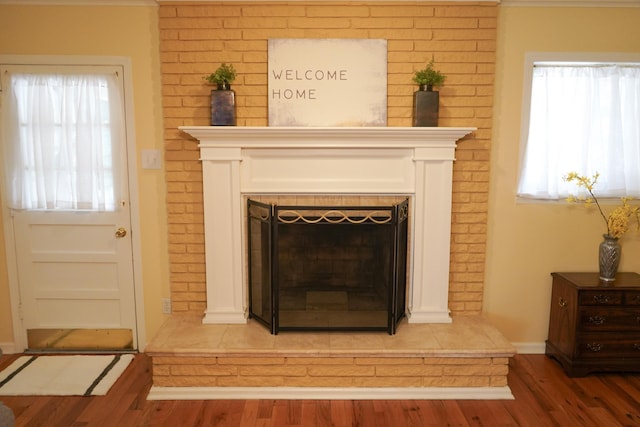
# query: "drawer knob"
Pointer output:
{"type": "Point", "coordinates": [601, 299]}
{"type": "Point", "coordinates": [636, 346]}
{"type": "Point", "coordinates": [596, 320]}
{"type": "Point", "coordinates": [562, 302]}
{"type": "Point", "coordinates": [594, 346]}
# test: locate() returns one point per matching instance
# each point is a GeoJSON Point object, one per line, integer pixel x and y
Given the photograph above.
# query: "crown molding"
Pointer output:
{"type": "Point", "coordinates": [79, 2]}
{"type": "Point", "coordinates": [332, 1]}
{"type": "Point", "coordinates": [571, 3]}
{"type": "Point", "coordinates": [507, 3]}
{"type": "Point", "coordinates": [524, 3]}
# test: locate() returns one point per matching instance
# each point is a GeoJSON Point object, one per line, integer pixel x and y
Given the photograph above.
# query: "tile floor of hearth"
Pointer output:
{"type": "Point", "coordinates": [466, 336]}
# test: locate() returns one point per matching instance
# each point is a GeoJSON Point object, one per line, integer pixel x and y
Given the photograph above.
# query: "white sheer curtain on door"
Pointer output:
{"type": "Point", "coordinates": [62, 138]}
{"type": "Point", "coordinates": [586, 119]}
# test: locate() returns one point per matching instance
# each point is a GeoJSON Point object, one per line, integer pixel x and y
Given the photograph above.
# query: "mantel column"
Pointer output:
{"type": "Point", "coordinates": [223, 235]}
{"type": "Point", "coordinates": [431, 246]}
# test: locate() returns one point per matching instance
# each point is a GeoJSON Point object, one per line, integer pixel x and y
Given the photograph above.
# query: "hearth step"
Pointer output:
{"type": "Point", "coordinates": [467, 356]}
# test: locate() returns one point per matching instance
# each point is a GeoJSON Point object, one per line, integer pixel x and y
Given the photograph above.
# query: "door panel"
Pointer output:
{"type": "Point", "coordinates": [74, 272]}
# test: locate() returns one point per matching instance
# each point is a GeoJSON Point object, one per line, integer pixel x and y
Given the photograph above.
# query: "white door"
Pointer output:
{"type": "Point", "coordinates": [74, 264]}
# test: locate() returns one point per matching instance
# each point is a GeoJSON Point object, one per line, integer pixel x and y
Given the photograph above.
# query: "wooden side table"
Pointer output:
{"type": "Point", "coordinates": [594, 326]}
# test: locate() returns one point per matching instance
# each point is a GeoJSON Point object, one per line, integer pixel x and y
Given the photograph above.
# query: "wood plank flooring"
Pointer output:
{"type": "Point", "coordinates": [544, 396]}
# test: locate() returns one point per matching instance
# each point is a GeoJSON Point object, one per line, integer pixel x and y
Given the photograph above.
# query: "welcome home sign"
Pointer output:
{"type": "Point", "coordinates": [327, 82]}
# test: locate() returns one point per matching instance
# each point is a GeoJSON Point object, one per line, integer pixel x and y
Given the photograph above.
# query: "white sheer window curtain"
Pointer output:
{"type": "Point", "coordinates": [62, 135]}
{"type": "Point", "coordinates": [584, 119]}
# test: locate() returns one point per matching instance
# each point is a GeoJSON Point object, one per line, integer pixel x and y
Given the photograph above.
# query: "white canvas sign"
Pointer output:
{"type": "Point", "coordinates": [327, 82]}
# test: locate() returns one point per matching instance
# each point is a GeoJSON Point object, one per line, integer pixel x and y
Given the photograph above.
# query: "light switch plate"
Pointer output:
{"type": "Point", "coordinates": [166, 306]}
{"type": "Point", "coordinates": [151, 159]}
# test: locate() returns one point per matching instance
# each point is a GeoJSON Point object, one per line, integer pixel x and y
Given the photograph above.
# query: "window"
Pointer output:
{"type": "Point", "coordinates": [584, 116]}
{"type": "Point", "coordinates": [62, 133]}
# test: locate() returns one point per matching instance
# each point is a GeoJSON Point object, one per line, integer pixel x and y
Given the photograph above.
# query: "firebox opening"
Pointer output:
{"type": "Point", "coordinates": [327, 268]}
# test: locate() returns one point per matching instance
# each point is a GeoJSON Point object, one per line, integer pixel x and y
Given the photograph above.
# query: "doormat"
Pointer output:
{"type": "Point", "coordinates": [78, 375]}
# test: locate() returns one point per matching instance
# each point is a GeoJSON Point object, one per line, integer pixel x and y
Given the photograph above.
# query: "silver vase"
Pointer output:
{"type": "Point", "coordinates": [609, 258]}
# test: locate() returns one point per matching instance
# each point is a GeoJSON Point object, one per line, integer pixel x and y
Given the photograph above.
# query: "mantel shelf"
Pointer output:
{"type": "Point", "coordinates": [326, 137]}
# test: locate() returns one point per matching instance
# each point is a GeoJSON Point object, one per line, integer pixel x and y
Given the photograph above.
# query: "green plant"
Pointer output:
{"type": "Point", "coordinates": [225, 74]}
{"type": "Point", "coordinates": [429, 77]}
{"type": "Point", "coordinates": [618, 220]}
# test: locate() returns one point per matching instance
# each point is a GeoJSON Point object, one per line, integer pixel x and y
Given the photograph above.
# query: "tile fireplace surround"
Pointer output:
{"type": "Point", "coordinates": [225, 356]}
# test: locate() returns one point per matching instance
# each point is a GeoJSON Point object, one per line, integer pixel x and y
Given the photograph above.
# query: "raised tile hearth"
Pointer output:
{"type": "Point", "coordinates": [466, 359]}
{"type": "Point", "coordinates": [223, 354]}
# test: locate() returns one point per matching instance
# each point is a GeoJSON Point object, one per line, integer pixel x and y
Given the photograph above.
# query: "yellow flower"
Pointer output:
{"type": "Point", "coordinates": [618, 220]}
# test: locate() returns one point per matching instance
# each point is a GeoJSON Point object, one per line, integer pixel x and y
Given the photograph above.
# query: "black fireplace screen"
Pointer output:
{"type": "Point", "coordinates": [327, 268]}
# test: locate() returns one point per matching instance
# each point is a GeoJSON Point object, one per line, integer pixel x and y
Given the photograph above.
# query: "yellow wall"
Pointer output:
{"type": "Point", "coordinates": [526, 242]}
{"type": "Point", "coordinates": [114, 31]}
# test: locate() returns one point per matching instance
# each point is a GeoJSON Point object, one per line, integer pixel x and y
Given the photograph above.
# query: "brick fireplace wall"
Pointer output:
{"type": "Point", "coordinates": [197, 37]}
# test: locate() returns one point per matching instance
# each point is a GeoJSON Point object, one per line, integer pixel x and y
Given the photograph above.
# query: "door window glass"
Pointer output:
{"type": "Point", "coordinates": [62, 133]}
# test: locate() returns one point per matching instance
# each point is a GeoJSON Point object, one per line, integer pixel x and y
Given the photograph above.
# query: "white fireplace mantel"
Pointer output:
{"type": "Point", "coordinates": [412, 161]}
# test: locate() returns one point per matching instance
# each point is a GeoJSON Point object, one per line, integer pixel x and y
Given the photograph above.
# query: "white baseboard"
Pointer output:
{"type": "Point", "coordinates": [331, 393]}
{"type": "Point", "coordinates": [8, 348]}
{"type": "Point", "coordinates": [529, 347]}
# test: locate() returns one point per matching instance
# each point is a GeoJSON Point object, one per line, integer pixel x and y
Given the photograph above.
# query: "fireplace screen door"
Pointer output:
{"type": "Point", "coordinates": [327, 268]}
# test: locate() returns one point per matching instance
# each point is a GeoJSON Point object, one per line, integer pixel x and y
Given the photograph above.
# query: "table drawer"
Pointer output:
{"type": "Point", "coordinates": [601, 297]}
{"type": "Point", "coordinates": [632, 298]}
{"type": "Point", "coordinates": [609, 319]}
{"type": "Point", "coordinates": [598, 347]}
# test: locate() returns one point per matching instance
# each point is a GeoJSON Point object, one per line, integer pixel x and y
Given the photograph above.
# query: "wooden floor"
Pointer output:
{"type": "Point", "coordinates": [544, 396]}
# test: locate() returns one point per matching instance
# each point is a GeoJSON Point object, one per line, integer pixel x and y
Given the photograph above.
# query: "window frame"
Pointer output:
{"type": "Point", "coordinates": [556, 58]}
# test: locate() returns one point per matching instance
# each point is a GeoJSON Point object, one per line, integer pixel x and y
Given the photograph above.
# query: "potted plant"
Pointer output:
{"type": "Point", "coordinates": [426, 101]}
{"type": "Point", "coordinates": [617, 223]}
{"type": "Point", "coordinates": [222, 77]}
{"type": "Point", "coordinates": [428, 77]}
{"type": "Point", "coordinates": [223, 98]}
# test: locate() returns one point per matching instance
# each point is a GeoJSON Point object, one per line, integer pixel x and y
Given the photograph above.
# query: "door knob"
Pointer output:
{"type": "Point", "coordinates": [121, 232]}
